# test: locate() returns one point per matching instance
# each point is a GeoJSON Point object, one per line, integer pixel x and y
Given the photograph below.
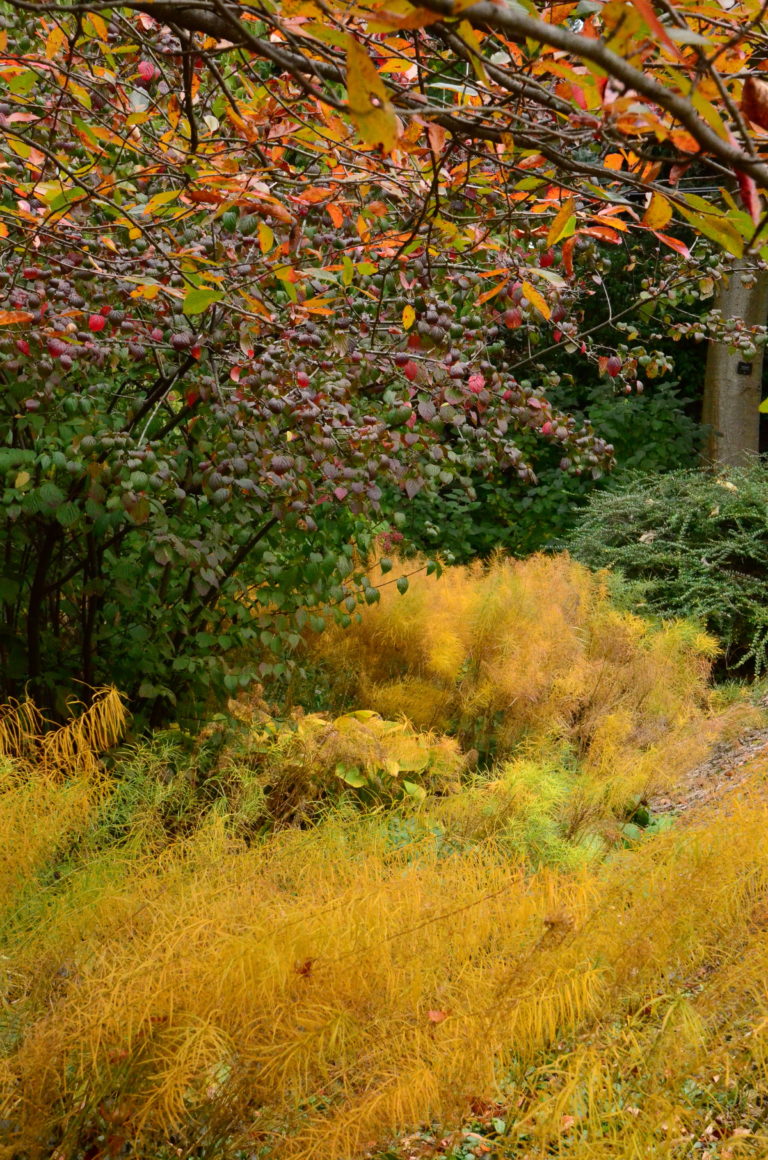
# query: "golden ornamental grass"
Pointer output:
{"type": "Point", "coordinates": [184, 990]}
{"type": "Point", "coordinates": [321, 992]}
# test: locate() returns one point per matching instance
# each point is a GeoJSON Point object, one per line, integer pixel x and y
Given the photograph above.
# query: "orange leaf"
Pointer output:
{"type": "Point", "coordinates": [335, 214]}
{"type": "Point", "coordinates": [10, 317]}
{"type": "Point", "coordinates": [437, 1016]}
{"type": "Point", "coordinates": [613, 161]}
{"type": "Point", "coordinates": [603, 233]}
{"type": "Point", "coordinates": [684, 141]}
{"type": "Point", "coordinates": [673, 243]}
{"type": "Point", "coordinates": [567, 251]}
{"type": "Point", "coordinates": [436, 135]}
{"type": "Point", "coordinates": [416, 18]}
{"type": "Point", "coordinates": [492, 292]}
{"type": "Point", "coordinates": [313, 194]}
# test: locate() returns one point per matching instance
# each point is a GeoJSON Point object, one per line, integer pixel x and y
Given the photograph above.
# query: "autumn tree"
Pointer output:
{"type": "Point", "coordinates": [262, 265]}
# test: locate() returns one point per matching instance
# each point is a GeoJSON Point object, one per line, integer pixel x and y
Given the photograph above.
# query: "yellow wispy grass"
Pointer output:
{"type": "Point", "coordinates": [323, 991]}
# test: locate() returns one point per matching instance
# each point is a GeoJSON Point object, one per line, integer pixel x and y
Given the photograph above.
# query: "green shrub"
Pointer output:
{"type": "Point", "coordinates": [698, 543]}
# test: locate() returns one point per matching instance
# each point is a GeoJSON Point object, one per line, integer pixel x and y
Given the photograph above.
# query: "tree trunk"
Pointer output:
{"type": "Point", "coordinates": [732, 383]}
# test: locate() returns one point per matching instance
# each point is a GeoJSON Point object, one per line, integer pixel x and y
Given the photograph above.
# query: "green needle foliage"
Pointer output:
{"type": "Point", "coordinates": [698, 543]}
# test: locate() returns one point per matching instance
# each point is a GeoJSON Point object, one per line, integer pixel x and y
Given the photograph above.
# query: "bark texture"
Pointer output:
{"type": "Point", "coordinates": [733, 382]}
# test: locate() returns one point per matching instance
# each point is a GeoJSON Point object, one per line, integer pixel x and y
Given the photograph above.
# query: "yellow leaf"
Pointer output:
{"type": "Point", "coordinates": [369, 104]}
{"type": "Point", "coordinates": [22, 479]}
{"type": "Point", "coordinates": [266, 238]}
{"type": "Point", "coordinates": [148, 291]}
{"type": "Point", "coordinates": [471, 39]}
{"type": "Point", "coordinates": [563, 224]}
{"type": "Point", "coordinates": [536, 299]}
{"type": "Point", "coordinates": [409, 317]}
{"type": "Point", "coordinates": [54, 42]}
{"type": "Point", "coordinates": [160, 199]}
{"type": "Point", "coordinates": [81, 95]}
{"type": "Point", "coordinates": [658, 213]}
{"type": "Point", "coordinates": [98, 24]}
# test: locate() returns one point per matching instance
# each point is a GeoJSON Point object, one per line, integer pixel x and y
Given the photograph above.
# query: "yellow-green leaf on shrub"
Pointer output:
{"type": "Point", "coordinates": [198, 300]}
{"type": "Point", "coordinates": [369, 105]}
{"type": "Point", "coordinates": [351, 775]}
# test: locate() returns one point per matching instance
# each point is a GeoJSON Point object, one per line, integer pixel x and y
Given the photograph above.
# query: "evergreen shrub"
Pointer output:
{"type": "Point", "coordinates": [697, 542]}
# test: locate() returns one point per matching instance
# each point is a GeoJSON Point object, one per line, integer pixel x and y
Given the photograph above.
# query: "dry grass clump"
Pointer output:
{"type": "Point", "coordinates": [324, 989]}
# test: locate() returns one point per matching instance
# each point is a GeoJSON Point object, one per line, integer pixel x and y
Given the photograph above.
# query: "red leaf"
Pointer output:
{"type": "Point", "coordinates": [437, 1016]}
{"type": "Point", "coordinates": [645, 8]}
{"type": "Point", "coordinates": [749, 196]}
{"type": "Point", "coordinates": [673, 243]}
{"type": "Point", "coordinates": [568, 247]}
{"type": "Point", "coordinates": [754, 101]}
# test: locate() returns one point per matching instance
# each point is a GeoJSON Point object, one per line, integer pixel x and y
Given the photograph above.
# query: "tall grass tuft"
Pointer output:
{"type": "Point", "coordinates": [33, 743]}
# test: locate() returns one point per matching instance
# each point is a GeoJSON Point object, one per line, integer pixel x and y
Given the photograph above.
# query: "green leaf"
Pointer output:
{"type": "Point", "coordinates": [9, 590]}
{"type": "Point", "coordinates": [68, 515]}
{"type": "Point", "coordinates": [351, 775]}
{"type": "Point", "coordinates": [198, 300]}
{"type": "Point", "coordinates": [51, 495]}
{"type": "Point", "coordinates": [402, 585]}
{"type": "Point", "coordinates": [712, 224]}
{"type": "Point", "coordinates": [415, 791]}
